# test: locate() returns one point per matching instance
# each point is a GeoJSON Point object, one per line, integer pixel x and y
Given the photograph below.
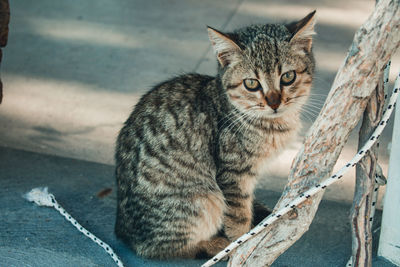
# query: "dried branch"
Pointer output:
{"type": "Point", "coordinates": [365, 183]}
{"type": "Point", "coordinates": [373, 45]}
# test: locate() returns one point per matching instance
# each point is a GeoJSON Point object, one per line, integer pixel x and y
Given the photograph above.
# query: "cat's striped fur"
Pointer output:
{"type": "Point", "coordinates": [188, 156]}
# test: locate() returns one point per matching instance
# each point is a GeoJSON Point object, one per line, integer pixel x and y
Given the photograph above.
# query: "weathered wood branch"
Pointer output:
{"type": "Point", "coordinates": [373, 45]}
{"type": "Point", "coordinates": [365, 182]}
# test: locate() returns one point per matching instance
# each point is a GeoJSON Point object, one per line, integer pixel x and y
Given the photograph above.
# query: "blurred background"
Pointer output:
{"type": "Point", "coordinates": [73, 70]}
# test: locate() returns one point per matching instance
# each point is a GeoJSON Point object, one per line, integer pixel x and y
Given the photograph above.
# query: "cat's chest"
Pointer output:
{"type": "Point", "coordinates": [271, 147]}
{"type": "Point", "coordinates": [254, 150]}
{"type": "Point", "coordinates": [272, 144]}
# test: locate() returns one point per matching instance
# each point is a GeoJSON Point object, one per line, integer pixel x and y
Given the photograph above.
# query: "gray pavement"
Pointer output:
{"type": "Point", "coordinates": [39, 236]}
{"type": "Point", "coordinates": [73, 70]}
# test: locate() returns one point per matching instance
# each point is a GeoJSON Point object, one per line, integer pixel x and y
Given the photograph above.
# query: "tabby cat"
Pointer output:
{"type": "Point", "coordinates": [188, 157]}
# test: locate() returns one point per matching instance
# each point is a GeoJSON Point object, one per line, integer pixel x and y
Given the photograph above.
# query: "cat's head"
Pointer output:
{"type": "Point", "coordinates": [267, 69]}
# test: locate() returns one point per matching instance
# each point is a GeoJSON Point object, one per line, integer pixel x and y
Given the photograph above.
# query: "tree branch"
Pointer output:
{"type": "Point", "coordinates": [373, 45]}
{"type": "Point", "coordinates": [365, 182]}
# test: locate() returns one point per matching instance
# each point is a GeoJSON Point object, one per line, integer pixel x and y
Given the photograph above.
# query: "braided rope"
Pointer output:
{"type": "Point", "coordinates": [43, 198]}
{"type": "Point", "coordinates": [318, 187]}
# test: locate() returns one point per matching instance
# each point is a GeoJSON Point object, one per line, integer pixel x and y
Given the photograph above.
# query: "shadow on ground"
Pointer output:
{"type": "Point", "coordinates": [39, 236]}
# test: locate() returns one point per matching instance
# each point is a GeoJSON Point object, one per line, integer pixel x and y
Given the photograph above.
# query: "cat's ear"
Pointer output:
{"type": "Point", "coordinates": [225, 48]}
{"type": "Point", "coordinates": [302, 31]}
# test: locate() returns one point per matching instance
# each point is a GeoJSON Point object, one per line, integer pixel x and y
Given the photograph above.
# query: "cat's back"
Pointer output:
{"type": "Point", "coordinates": [176, 118]}
{"type": "Point", "coordinates": [192, 89]}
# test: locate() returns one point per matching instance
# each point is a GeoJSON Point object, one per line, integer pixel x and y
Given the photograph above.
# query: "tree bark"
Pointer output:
{"type": "Point", "coordinates": [365, 183]}
{"type": "Point", "coordinates": [373, 45]}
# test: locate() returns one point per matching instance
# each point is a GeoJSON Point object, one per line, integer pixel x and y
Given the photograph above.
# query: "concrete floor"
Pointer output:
{"type": "Point", "coordinates": [73, 70]}
{"type": "Point", "coordinates": [39, 236]}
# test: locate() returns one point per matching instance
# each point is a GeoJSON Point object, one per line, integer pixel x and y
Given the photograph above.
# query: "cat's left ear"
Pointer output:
{"type": "Point", "coordinates": [302, 31]}
{"type": "Point", "coordinates": [225, 48]}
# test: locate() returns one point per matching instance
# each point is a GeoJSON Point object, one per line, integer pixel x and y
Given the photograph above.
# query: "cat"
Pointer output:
{"type": "Point", "coordinates": [188, 157]}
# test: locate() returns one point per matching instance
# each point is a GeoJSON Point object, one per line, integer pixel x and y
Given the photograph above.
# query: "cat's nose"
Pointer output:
{"type": "Point", "coordinates": [273, 99]}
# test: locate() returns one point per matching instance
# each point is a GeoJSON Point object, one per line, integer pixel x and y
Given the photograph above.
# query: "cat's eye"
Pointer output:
{"type": "Point", "coordinates": [288, 78]}
{"type": "Point", "coordinates": [251, 84]}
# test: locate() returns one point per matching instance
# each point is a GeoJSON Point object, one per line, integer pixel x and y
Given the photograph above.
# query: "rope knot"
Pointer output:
{"type": "Point", "coordinates": [40, 196]}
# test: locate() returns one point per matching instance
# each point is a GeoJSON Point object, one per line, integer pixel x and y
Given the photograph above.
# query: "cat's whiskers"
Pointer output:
{"type": "Point", "coordinates": [227, 118]}
{"type": "Point", "coordinates": [244, 124]}
{"type": "Point", "coordinates": [312, 108]}
{"type": "Point", "coordinates": [295, 97]}
{"type": "Point", "coordinates": [307, 117]}
{"type": "Point", "coordinates": [312, 113]}
{"type": "Point", "coordinates": [318, 96]}
{"type": "Point", "coordinates": [237, 120]}
{"type": "Point", "coordinates": [249, 113]}
{"type": "Point", "coordinates": [316, 100]}
{"type": "Point", "coordinates": [310, 99]}
{"type": "Point", "coordinates": [314, 104]}
{"type": "Point", "coordinates": [299, 100]}
{"type": "Point", "coordinates": [321, 80]}
{"type": "Point", "coordinates": [255, 118]}
{"type": "Point", "coordinates": [228, 129]}
{"type": "Point", "coordinates": [306, 110]}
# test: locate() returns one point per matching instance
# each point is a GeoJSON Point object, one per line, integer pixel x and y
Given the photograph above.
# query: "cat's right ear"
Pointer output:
{"type": "Point", "coordinates": [225, 48]}
{"type": "Point", "coordinates": [302, 31]}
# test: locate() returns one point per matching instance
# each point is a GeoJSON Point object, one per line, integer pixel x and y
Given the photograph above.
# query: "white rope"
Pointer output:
{"type": "Point", "coordinates": [42, 197]}
{"type": "Point", "coordinates": [317, 188]}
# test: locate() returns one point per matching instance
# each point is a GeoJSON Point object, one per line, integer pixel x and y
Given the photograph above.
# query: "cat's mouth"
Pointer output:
{"type": "Point", "coordinates": [269, 113]}
{"type": "Point", "coordinates": [274, 113]}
